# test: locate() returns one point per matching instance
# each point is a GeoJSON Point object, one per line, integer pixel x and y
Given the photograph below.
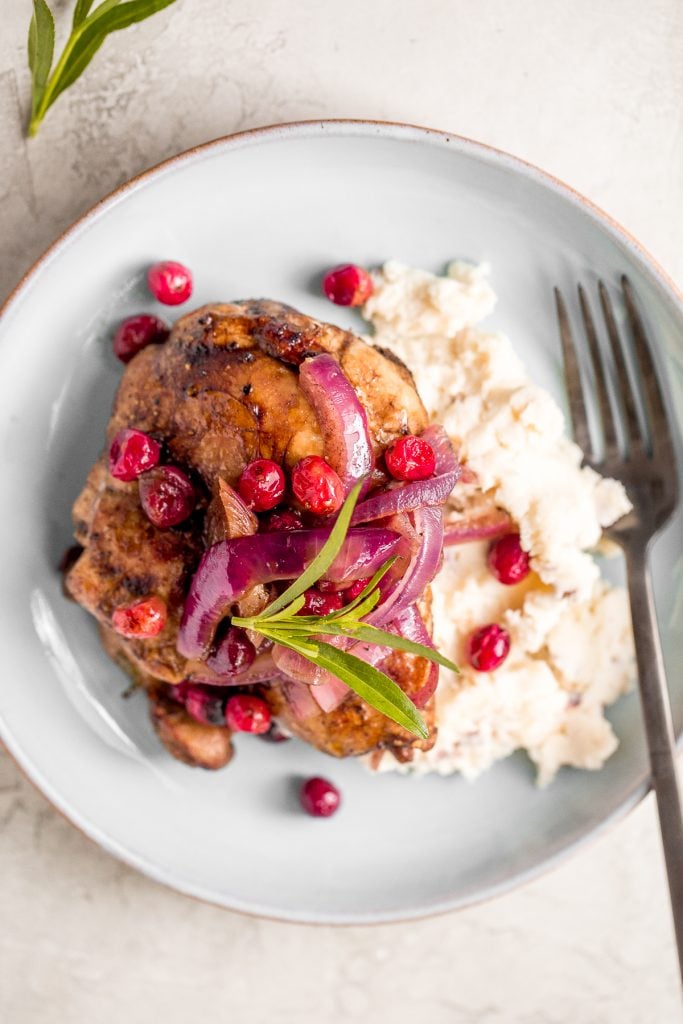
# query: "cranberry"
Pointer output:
{"type": "Point", "coordinates": [356, 588]}
{"type": "Point", "coordinates": [170, 282]}
{"type": "Point", "coordinates": [282, 519]}
{"type": "Point", "coordinates": [321, 604]}
{"type": "Point", "coordinates": [410, 458]}
{"type": "Point", "coordinates": [167, 495]}
{"type": "Point", "coordinates": [137, 332]}
{"type": "Point", "coordinates": [245, 713]}
{"type": "Point", "coordinates": [262, 484]}
{"type": "Point", "coordinates": [140, 621]}
{"type": "Point", "coordinates": [329, 586]}
{"type": "Point", "coordinates": [317, 486]}
{"type": "Point", "coordinates": [205, 704]}
{"type": "Point", "coordinates": [319, 797]}
{"type": "Point", "coordinates": [232, 654]}
{"type": "Point", "coordinates": [348, 285]}
{"type": "Point", "coordinates": [132, 453]}
{"type": "Point", "coordinates": [508, 561]}
{"type": "Point", "coordinates": [488, 647]}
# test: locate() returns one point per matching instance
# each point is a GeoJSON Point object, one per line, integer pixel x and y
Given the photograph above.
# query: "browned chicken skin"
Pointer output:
{"type": "Point", "coordinates": [222, 391]}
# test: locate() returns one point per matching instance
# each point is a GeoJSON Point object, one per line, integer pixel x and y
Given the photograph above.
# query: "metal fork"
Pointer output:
{"type": "Point", "coordinates": [645, 464]}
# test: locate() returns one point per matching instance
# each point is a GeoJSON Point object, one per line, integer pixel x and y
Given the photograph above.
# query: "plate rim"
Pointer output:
{"type": "Point", "coordinates": [358, 128]}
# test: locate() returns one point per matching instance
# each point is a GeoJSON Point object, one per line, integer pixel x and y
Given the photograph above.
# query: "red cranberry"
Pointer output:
{"type": "Point", "coordinates": [137, 332]}
{"type": "Point", "coordinates": [319, 797]}
{"type": "Point", "coordinates": [508, 561]}
{"type": "Point", "coordinates": [321, 604]}
{"type": "Point", "coordinates": [233, 654]}
{"type": "Point", "coordinates": [245, 713]}
{"type": "Point", "coordinates": [348, 285]}
{"type": "Point", "coordinates": [488, 647]}
{"type": "Point", "coordinates": [142, 620]}
{"type": "Point", "coordinates": [282, 519]}
{"type": "Point", "coordinates": [170, 282]}
{"type": "Point", "coordinates": [167, 496]}
{"type": "Point", "coordinates": [329, 587]}
{"type": "Point", "coordinates": [410, 458]}
{"type": "Point", "coordinates": [356, 588]}
{"type": "Point", "coordinates": [262, 484]}
{"type": "Point", "coordinates": [317, 486]}
{"type": "Point", "coordinates": [205, 704]}
{"type": "Point", "coordinates": [132, 453]}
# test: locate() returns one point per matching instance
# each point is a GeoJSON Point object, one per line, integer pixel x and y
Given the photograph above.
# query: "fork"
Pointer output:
{"type": "Point", "coordinates": [645, 464]}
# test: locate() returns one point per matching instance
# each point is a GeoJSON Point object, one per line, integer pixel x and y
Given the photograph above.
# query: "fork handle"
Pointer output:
{"type": "Point", "coordinates": [656, 710]}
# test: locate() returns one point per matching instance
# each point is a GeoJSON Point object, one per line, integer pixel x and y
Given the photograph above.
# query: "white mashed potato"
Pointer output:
{"type": "Point", "coordinates": [571, 645]}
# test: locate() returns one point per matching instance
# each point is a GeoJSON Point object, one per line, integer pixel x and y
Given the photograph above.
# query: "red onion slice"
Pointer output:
{"type": "Point", "coordinates": [343, 421]}
{"type": "Point", "coordinates": [410, 625]}
{"type": "Point", "coordinates": [298, 668]}
{"type": "Point", "coordinates": [326, 689]}
{"type": "Point", "coordinates": [328, 696]}
{"type": "Point", "coordinates": [487, 526]}
{"type": "Point", "coordinates": [422, 569]}
{"type": "Point", "coordinates": [229, 569]}
{"type": "Point", "coordinates": [262, 670]}
{"type": "Point", "coordinates": [446, 459]}
{"type": "Point", "coordinates": [298, 696]}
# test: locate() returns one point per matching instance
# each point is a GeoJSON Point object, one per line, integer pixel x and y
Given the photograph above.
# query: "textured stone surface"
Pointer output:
{"type": "Point", "coordinates": [593, 93]}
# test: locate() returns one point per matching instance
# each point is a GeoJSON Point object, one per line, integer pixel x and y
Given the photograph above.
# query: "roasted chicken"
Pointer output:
{"type": "Point", "coordinates": [221, 391]}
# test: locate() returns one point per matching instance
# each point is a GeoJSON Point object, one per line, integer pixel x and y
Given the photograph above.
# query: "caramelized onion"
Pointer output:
{"type": "Point", "coordinates": [229, 569]}
{"type": "Point", "coordinates": [343, 421]}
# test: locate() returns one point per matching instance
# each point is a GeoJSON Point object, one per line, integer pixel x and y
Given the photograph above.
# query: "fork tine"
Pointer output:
{"type": "Point", "coordinates": [572, 373]}
{"type": "Point", "coordinates": [659, 429]}
{"type": "Point", "coordinates": [633, 431]}
{"type": "Point", "coordinates": [611, 446]}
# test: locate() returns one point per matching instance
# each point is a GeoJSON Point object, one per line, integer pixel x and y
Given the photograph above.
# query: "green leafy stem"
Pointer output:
{"type": "Point", "coordinates": [282, 623]}
{"type": "Point", "coordinates": [89, 29]}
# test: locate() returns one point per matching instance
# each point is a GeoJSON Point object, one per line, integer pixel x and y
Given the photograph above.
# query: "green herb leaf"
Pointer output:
{"type": "Point", "coordinates": [373, 686]}
{"type": "Point", "coordinates": [81, 11]}
{"type": "Point", "coordinates": [399, 643]}
{"type": "Point", "coordinates": [379, 575]}
{"type": "Point", "coordinates": [90, 29]}
{"type": "Point", "coordinates": [323, 559]}
{"type": "Point", "coordinates": [110, 16]}
{"type": "Point", "coordinates": [41, 48]}
{"type": "Point", "coordinates": [280, 623]}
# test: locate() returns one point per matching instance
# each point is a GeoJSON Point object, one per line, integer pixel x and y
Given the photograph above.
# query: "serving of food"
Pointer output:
{"type": "Point", "coordinates": [359, 526]}
{"type": "Point", "coordinates": [297, 531]}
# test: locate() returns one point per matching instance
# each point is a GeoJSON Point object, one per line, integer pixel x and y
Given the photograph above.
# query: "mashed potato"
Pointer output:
{"type": "Point", "coordinates": [572, 649]}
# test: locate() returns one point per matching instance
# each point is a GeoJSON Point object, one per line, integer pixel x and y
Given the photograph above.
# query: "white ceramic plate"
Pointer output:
{"type": "Point", "coordinates": [261, 214]}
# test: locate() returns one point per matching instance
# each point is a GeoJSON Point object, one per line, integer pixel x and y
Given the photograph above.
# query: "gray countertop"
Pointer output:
{"type": "Point", "coordinates": [592, 92]}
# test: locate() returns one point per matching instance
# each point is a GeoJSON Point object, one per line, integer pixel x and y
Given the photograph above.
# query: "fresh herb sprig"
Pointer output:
{"type": "Point", "coordinates": [282, 623]}
{"type": "Point", "coordinates": [89, 29]}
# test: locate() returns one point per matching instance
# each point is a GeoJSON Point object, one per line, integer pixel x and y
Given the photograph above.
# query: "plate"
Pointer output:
{"type": "Point", "coordinates": [261, 214]}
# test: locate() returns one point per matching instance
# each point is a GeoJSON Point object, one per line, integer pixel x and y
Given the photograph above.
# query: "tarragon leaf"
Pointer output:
{"type": "Point", "coordinates": [373, 686]}
{"type": "Point", "coordinates": [291, 610]}
{"type": "Point", "coordinates": [280, 623]}
{"type": "Point", "coordinates": [378, 637]}
{"type": "Point", "coordinates": [89, 30]}
{"type": "Point", "coordinates": [110, 16]}
{"type": "Point", "coordinates": [370, 588]}
{"type": "Point", "coordinates": [323, 560]}
{"type": "Point", "coordinates": [81, 11]}
{"type": "Point", "coordinates": [41, 48]}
